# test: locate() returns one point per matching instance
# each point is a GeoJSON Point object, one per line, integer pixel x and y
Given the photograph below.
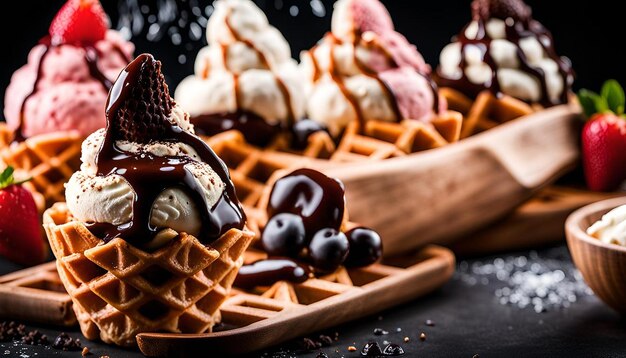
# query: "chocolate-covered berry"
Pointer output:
{"type": "Point", "coordinates": [328, 249]}
{"type": "Point", "coordinates": [366, 247]}
{"type": "Point", "coordinates": [284, 235]}
{"type": "Point", "coordinates": [302, 130]}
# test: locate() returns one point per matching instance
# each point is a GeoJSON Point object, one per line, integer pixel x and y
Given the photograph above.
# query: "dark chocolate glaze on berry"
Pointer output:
{"type": "Point", "coordinates": [149, 175]}
{"type": "Point", "coordinates": [318, 199]}
{"type": "Point", "coordinates": [517, 29]}
{"type": "Point", "coordinates": [269, 271]}
{"type": "Point", "coordinates": [91, 58]}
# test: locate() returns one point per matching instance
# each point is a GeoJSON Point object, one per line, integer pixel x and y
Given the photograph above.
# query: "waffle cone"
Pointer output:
{"type": "Point", "coordinates": [49, 159]}
{"type": "Point", "coordinates": [119, 291]}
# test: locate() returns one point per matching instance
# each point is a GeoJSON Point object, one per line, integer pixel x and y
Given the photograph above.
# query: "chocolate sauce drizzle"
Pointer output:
{"type": "Point", "coordinates": [333, 41]}
{"type": "Point", "coordinates": [149, 175]}
{"type": "Point", "coordinates": [269, 271]}
{"type": "Point", "coordinates": [92, 54]}
{"type": "Point", "coordinates": [318, 199]}
{"type": "Point", "coordinates": [516, 30]}
{"type": "Point", "coordinates": [253, 127]}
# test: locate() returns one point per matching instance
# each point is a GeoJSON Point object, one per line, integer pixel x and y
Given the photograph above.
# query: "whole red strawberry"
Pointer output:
{"type": "Point", "coordinates": [79, 22]}
{"type": "Point", "coordinates": [21, 239]}
{"type": "Point", "coordinates": [604, 137]}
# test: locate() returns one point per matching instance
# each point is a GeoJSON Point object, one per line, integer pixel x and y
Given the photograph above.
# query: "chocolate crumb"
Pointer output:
{"type": "Point", "coordinates": [422, 336]}
{"type": "Point", "coordinates": [10, 331]}
{"type": "Point", "coordinates": [66, 343]}
{"type": "Point", "coordinates": [351, 349]}
{"type": "Point", "coordinates": [325, 340]}
{"type": "Point", "coordinates": [308, 344]}
{"type": "Point", "coordinates": [85, 352]}
{"type": "Point", "coordinates": [406, 339]}
{"type": "Point", "coordinates": [430, 323]}
{"type": "Point", "coordinates": [393, 350]}
{"type": "Point", "coordinates": [380, 332]}
{"type": "Point", "coordinates": [35, 338]}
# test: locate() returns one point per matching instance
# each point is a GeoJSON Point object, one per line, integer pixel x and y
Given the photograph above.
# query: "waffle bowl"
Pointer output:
{"type": "Point", "coordinates": [49, 159]}
{"type": "Point", "coordinates": [119, 291]}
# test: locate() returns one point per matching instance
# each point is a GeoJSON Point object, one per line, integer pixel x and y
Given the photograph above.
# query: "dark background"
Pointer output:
{"type": "Point", "coordinates": [589, 32]}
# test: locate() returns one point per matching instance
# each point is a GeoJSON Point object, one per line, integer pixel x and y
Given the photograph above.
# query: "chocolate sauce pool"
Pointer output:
{"type": "Point", "coordinates": [254, 128]}
{"type": "Point", "coordinates": [269, 271]}
{"type": "Point", "coordinates": [92, 55]}
{"type": "Point", "coordinates": [149, 175]}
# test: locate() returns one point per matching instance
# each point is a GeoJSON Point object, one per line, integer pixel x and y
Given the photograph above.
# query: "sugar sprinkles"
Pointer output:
{"type": "Point", "coordinates": [529, 282]}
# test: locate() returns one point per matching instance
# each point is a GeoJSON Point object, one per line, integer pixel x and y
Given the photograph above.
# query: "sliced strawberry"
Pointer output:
{"type": "Point", "coordinates": [21, 238]}
{"type": "Point", "coordinates": [604, 137]}
{"type": "Point", "coordinates": [79, 22]}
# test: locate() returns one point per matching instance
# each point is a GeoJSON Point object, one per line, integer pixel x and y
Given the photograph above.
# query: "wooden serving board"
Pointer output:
{"type": "Point", "coordinates": [440, 195]}
{"type": "Point", "coordinates": [537, 223]}
{"type": "Point", "coordinates": [262, 322]}
{"type": "Point", "coordinates": [37, 295]}
{"type": "Point", "coordinates": [259, 319]}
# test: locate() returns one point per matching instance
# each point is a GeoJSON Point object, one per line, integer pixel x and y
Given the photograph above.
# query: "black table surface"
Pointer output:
{"type": "Point", "coordinates": [468, 317]}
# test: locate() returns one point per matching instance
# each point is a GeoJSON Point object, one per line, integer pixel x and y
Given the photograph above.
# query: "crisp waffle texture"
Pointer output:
{"type": "Point", "coordinates": [119, 291]}
{"type": "Point", "coordinates": [49, 159]}
{"type": "Point", "coordinates": [251, 167]}
{"type": "Point", "coordinates": [486, 111]}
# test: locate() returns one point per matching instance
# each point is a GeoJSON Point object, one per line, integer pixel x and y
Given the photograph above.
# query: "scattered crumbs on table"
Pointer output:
{"type": "Point", "coordinates": [406, 339]}
{"type": "Point", "coordinates": [430, 323]}
{"type": "Point", "coordinates": [475, 356]}
{"type": "Point", "coordinates": [422, 336]}
{"type": "Point", "coordinates": [85, 352]}
{"type": "Point", "coordinates": [351, 349]}
{"type": "Point", "coordinates": [398, 329]}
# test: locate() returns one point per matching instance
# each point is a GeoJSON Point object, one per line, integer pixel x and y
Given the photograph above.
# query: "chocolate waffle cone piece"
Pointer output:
{"type": "Point", "coordinates": [119, 290]}
{"type": "Point", "coordinates": [486, 111]}
{"type": "Point", "coordinates": [49, 159]}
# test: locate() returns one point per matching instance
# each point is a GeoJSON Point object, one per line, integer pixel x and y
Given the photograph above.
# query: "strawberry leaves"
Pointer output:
{"type": "Point", "coordinates": [7, 179]}
{"type": "Point", "coordinates": [610, 100]}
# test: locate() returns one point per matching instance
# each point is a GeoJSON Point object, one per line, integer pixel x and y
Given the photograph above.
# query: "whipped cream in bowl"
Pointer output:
{"type": "Point", "coordinates": [245, 78]}
{"type": "Point", "coordinates": [611, 228]}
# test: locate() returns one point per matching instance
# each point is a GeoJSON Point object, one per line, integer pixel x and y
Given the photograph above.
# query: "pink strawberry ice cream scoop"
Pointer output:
{"type": "Point", "coordinates": [413, 93]}
{"type": "Point", "coordinates": [364, 70]}
{"type": "Point", "coordinates": [65, 82]}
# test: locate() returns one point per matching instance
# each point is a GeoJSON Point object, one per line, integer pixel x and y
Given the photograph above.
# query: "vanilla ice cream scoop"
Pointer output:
{"type": "Point", "coordinates": [147, 177]}
{"type": "Point", "coordinates": [245, 78]}
{"type": "Point", "coordinates": [506, 51]}
{"type": "Point", "coordinates": [364, 70]}
{"type": "Point", "coordinates": [611, 229]}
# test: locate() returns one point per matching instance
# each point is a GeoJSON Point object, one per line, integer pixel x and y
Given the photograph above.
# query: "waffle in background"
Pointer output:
{"type": "Point", "coordinates": [48, 159]}
{"type": "Point", "coordinates": [486, 111]}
